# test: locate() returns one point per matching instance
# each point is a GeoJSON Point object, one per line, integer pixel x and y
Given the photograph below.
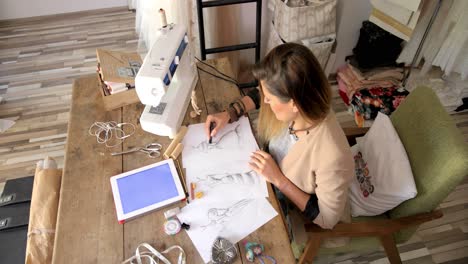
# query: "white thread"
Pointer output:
{"type": "Point", "coordinates": [106, 131]}
{"type": "Point", "coordinates": [154, 256]}
{"type": "Point", "coordinates": [193, 100]}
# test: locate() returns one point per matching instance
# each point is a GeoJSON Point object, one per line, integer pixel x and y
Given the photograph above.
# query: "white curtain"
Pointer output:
{"type": "Point", "coordinates": [177, 11]}
{"type": "Point", "coordinates": [453, 54]}
{"type": "Point", "coordinates": [226, 25]}
{"type": "Point", "coordinates": [446, 45]}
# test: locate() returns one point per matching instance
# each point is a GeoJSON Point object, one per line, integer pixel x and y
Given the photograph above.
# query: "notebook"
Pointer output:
{"type": "Point", "coordinates": [142, 190]}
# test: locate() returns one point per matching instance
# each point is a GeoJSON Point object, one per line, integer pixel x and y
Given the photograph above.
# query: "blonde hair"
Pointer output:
{"type": "Point", "coordinates": [268, 126]}
{"type": "Point", "coordinates": [291, 71]}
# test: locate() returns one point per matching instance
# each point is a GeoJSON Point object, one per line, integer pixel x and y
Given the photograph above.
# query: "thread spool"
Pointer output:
{"type": "Point", "coordinates": [162, 16]}
{"type": "Point", "coordinates": [172, 227]}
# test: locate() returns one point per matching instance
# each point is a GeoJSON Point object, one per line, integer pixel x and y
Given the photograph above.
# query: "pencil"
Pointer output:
{"type": "Point", "coordinates": [192, 190]}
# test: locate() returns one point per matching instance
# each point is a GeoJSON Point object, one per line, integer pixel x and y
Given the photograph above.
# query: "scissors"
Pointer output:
{"type": "Point", "coordinates": [152, 149]}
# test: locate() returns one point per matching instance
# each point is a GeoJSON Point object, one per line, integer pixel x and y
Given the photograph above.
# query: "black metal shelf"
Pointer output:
{"type": "Point", "coordinates": [255, 45]}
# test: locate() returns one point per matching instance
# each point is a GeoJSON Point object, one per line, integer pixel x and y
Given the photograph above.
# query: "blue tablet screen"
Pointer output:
{"type": "Point", "coordinates": [146, 187]}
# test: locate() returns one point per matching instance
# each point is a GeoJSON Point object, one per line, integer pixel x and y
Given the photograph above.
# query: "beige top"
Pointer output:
{"type": "Point", "coordinates": [321, 163]}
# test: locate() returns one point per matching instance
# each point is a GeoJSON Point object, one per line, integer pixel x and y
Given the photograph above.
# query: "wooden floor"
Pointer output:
{"type": "Point", "coordinates": [40, 58]}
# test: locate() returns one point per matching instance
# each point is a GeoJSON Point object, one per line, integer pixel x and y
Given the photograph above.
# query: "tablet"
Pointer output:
{"type": "Point", "coordinates": [145, 189]}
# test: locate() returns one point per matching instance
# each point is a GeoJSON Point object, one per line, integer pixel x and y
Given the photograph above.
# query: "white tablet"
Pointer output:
{"type": "Point", "coordinates": [144, 189]}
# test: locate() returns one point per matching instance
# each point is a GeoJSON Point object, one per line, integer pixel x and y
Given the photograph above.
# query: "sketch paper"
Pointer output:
{"type": "Point", "coordinates": [231, 219]}
{"type": "Point", "coordinates": [221, 169]}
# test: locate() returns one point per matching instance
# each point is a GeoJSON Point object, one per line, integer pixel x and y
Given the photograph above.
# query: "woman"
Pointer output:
{"type": "Point", "coordinates": [310, 162]}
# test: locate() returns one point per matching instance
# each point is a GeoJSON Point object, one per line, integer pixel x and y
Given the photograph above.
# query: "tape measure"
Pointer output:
{"type": "Point", "coordinates": [172, 227]}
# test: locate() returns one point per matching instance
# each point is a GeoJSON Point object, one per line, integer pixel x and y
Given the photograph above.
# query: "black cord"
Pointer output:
{"type": "Point", "coordinates": [230, 79]}
{"type": "Point", "coordinates": [219, 77]}
{"type": "Point", "coordinates": [214, 68]}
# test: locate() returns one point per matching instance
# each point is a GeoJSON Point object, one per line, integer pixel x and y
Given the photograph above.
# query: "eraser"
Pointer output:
{"type": "Point", "coordinates": [198, 195]}
{"type": "Point", "coordinates": [171, 213]}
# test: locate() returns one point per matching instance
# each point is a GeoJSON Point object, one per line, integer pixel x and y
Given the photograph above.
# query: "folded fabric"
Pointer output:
{"type": "Point", "coordinates": [342, 90]}
{"type": "Point", "coordinates": [353, 80]}
{"type": "Point", "coordinates": [369, 102]}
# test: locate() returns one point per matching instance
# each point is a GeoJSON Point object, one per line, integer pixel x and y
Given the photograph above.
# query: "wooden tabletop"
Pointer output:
{"type": "Point", "coordinates": [87, 228]}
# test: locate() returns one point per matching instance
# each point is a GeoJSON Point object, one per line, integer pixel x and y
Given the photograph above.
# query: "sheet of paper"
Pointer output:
{"type": "Point", "coordinates": [221, 169]}
{"type": "Point", "coordinates": [412, 5]}
{"type": "Point", "coordinates": [399, 13]}
{"type": "Point", "coordinates": [230, 219]}
{"type": "Point", "coordinates": [5, 124]}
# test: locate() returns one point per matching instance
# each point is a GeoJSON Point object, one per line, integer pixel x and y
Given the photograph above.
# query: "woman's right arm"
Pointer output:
{"type": "Point", "coordinates": [251, 101]}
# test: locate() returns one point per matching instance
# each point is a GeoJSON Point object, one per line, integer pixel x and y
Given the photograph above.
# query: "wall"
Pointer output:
{"type": "Point", "coordinates": [10, 9]}
{"type": "Point", "coordinates": [235, 24]}
{"type": "Point", "coordinates": [231, 25]}
{"type": "Point", "coordinates": [350, 15]}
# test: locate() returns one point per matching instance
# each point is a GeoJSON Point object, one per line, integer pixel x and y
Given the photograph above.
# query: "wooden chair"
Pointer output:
{"type": "Point", "coordinates": [438, 155]}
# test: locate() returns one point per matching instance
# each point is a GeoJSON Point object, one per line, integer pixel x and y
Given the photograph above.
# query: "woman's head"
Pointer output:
{"type": "Point", "coordinates": [290, 75]}
{"type": "Point", "coordinates": [292, 82]}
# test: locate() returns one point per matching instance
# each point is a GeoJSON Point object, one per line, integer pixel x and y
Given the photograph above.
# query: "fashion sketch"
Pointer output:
{"type": "Point", "coordinates": [217, 216]}
{"type": "Point", "coordinates": [213, 180]}
{"type": "Point", "coordinates": [204, 146]}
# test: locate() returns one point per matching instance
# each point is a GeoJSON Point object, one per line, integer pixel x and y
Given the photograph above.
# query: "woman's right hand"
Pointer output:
{"type": "Point", "coordinates": [220, 120]}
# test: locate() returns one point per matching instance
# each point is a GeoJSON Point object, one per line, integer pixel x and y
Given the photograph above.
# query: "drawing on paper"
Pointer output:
{"type": "Point", "coordinates": [204, 146]}
{"type": "Point", "coordinates": [218, 216]}
{"type": "Point", "coordinates": [245, 178]}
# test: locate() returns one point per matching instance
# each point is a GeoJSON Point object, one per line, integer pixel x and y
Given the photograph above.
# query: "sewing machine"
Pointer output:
{"type": "Point", "coordinates": [165, 81]}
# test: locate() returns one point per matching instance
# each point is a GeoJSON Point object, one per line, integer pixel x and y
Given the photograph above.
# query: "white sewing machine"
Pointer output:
{"type": "Point", "coordinates": [165, 81]}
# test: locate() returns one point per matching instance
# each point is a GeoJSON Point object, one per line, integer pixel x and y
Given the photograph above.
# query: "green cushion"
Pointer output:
{"type": "Point", "coordinates": [436, 149]}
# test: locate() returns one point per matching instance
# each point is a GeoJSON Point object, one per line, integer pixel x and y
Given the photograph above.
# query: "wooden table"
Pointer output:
{"type": "Point", "coordinates": [87, 227]}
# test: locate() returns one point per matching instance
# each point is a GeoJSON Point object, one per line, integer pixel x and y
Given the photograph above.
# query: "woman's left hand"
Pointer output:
{"type": "Point", "coordinates": [264, 164]}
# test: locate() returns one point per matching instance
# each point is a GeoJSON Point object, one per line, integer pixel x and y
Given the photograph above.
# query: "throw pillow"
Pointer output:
{"type": "Point", "coordinates": [383, 177]}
